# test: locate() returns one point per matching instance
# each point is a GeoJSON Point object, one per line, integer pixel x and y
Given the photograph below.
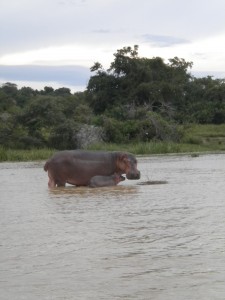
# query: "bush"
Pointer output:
{"type": "Point", "coordinates": [152, 127]}
{"type": "Point", "coordinates": [29, 142]}
{"type": "Point", "coordinates": [3, 154]}
{"type": "Point", "coordinates": [64, 136]}
{"type": "Point", "coordinates": [113, 130]}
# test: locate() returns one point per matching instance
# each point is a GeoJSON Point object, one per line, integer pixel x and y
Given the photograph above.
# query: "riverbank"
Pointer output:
{"type": "Point", "coordinates": [137, 149]}
{"type": "Point", "coordinates": [196, 139]}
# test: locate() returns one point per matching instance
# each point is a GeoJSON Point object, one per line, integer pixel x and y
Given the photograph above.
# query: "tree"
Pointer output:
{"type": "Point", "coordinates": [10, 88]}
{"type": "Point", "coordinates": [124, 60]}
{"type": "Point", "coordinates": [24, 95]}
{"type": "Point", "coordinates": [62, 91]}
{"type": "Point", "coordinates": [48, 90]}
{"type": "Point", "coordinates": [63, 135]}
{"type": "Point", "coordinates": [140, 81]}
{"type": "Point", "coordinates": [102, 91]}
{"type": "Point", "coordinates": [39, 117]}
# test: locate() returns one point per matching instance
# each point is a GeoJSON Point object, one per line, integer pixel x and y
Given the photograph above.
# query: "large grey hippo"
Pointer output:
{"type": "Point", "coordinates": [78, 167]}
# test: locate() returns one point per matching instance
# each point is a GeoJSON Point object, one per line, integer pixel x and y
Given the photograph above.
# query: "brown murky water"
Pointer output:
{"type": "Point", "coordinates": [161, 241]}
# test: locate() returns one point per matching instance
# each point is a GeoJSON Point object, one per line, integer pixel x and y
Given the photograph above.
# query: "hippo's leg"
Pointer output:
{"type": "Point", "coordinates": [51, 183]}
{"type": "Point", "coordinates": [54, 181]}
{"type": "Point", "coordinates": [60, 184]}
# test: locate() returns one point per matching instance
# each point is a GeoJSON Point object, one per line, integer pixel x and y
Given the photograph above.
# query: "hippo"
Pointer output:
{"type": "Point", "coordinates": [100, 181]}
{"type": "Point", "coordinates": [78, 167]}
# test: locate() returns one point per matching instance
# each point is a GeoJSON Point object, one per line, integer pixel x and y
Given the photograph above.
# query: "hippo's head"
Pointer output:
{"type": "Point", "coordinates": [118, 178]}
{"type": "Point", "coordinates": [127, 164]}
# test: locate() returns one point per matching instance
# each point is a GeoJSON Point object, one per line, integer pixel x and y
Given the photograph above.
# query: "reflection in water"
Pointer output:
{"type": "Point", "coordinates": [132, 241]}
{"type": "Point", "coordinates": [93, 192]}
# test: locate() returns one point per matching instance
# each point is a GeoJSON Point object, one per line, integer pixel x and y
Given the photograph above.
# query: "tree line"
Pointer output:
{"type": "Point", "coordinates": [136, 99]}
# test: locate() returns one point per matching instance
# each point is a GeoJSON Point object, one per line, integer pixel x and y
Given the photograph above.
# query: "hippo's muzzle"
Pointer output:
{"type": "Point", "coordinates": [133, 175]}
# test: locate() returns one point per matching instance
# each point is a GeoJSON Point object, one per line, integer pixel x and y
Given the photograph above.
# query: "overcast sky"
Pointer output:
{"type": "Point", "coordinates": [55, 42]}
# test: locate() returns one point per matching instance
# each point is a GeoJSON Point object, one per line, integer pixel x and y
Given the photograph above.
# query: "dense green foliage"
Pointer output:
{"type": "Point", "coordinates": [136, 100]}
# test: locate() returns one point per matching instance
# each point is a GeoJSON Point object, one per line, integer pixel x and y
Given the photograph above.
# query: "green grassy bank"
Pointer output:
{"type": "Point", "coordinates": [24, 155]}
{"type": "Point", "coordinates": [196, 138]}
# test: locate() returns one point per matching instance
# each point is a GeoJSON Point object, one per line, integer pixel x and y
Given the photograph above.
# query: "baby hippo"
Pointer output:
{"type": "Point", "coordinates": [100, 181]}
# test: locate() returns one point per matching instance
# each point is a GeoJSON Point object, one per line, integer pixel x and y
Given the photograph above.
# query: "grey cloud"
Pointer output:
{"type": "Point", "coordinates": [71, 75]}
{"type": "Point", "coordinates": [41, 24]}
{"type": "Point", "coordinates": [27, 25]}
{"type": "Point", "coordinates": [214, 74]}
{"type": "Point", "coordinates": [163, 40]}
{"type": "Point", "coordinates": [199, 55]}
{"type": "Point", "coordinates": [71, 2]}
{"type": "Point", "coordinates": [101, 31]}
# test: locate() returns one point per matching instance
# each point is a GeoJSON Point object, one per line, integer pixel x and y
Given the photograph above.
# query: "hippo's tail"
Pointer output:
{"type": "Point", "coordinates": [46, 166]}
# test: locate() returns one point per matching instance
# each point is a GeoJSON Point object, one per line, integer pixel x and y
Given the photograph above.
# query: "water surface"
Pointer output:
{"type": "Point", "coordinates": [164, 241]}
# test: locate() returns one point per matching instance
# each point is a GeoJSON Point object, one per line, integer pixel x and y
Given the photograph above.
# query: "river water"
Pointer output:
{"type": "Point", "coordinates": [132, 241]}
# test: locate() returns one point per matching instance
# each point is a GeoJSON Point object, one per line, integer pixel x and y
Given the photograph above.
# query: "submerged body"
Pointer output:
{"type": "Point", "coordinates": [78, 167]}
{"type": "Point", "coordinates": [101, 181]}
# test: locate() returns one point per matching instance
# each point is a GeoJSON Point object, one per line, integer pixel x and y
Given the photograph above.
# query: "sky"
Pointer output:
{"type": "Point", "coordinates": [55, 42]}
